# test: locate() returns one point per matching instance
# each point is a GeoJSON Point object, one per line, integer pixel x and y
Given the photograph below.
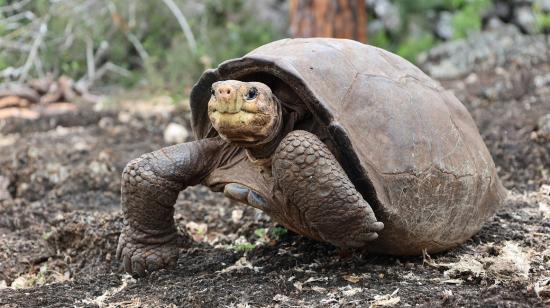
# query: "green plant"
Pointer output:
{"type": "Point", "coordinates": [542, 18]}
{"type": "Point", "coordinates": [244, 247]}
{"type": "Point", "coordinates": [278, 231]}
{"type": "Point", "coordinates": [468, 16]}
{"type": "Point", "coordinates": [260, 232]}
{"type": "Point", "coordinates": [412, 46]}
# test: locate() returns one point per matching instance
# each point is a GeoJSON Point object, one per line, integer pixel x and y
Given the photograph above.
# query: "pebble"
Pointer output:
{"type": "Point", "coordinates": [526, 19]}
{"type": "Point", "coordinates": [543, 125]}
{"type": "Point", "coordinates": [444, 25]}
{"type": "Point", "coordinates": [4, 193]}
{"type": "Point", "coordinates": [175, 133]}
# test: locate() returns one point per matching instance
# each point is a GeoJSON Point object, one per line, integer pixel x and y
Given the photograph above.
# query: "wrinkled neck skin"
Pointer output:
{"type": "Point", "coordinates": [261, 152]}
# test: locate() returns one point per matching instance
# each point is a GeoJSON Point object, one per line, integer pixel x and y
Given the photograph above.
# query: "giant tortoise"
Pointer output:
{"type": "Point", "coordinates": [336, 140]}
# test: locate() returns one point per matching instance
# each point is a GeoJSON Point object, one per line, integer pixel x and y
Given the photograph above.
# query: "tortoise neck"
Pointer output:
{"type": "Point", "coordinates": [264, 151]}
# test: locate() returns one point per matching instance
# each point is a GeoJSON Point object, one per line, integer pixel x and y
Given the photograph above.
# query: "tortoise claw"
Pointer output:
{"type": "Point", "coordinates": [371, 236]}
{"type": "Point", "coordinates": [236, 192]}
{"type": "Point", "coordinates": [376, 226]}
{"type": "Point", "coordinates": [245, 195]}
{"type": "Point", "coordinates": [139, 258]}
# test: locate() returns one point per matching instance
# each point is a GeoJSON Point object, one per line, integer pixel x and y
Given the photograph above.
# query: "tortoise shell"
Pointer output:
{"type": "Point", "coordinates": [410, 147]}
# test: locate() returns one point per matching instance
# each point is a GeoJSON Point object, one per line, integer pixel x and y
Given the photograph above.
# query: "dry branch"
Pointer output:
{"type": "Point", "coordinates": [34, 50]}
{"type": "Point", "coordinates": [183, 23]}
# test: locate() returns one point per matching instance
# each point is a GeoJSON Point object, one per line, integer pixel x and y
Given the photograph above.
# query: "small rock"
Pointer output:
{"type": "Point", "coordinates": [106, 122]}
{"type": "Point", "coordinates": [525, 18]}
{"type": "Point", "coordinates": [175, 133]}
{"type": "Point", "coordinates": [197, 230]}
{"type": "Point", "coordinates": [7, 140]}
{"type": "Point", "coordinates": [543, 125]}
{"type": "Point", "coordinates": [472, 79]}
{"type": "Point", "coordinates": [81, 146]}
{"type": "Point", "coordinates": [444, 26]}
{"type": "Point", "coordinates": [22, 282]}
{"type": "Point", "coordinates": [236, 216]}
{"type": "Point", "coordinates": [124, 117]}
{"type": "Point", "coordinates": [494, 23]}
{"type": "Point", "coordinates": [4, 193]}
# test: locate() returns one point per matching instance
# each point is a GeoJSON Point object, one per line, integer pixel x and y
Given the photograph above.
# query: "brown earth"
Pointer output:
{"type": "Point", "coordinates": [60, 216]}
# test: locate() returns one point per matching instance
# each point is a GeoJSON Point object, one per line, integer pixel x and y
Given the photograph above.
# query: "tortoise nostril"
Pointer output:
{"type": "Point", "coordinates": [225, 91]}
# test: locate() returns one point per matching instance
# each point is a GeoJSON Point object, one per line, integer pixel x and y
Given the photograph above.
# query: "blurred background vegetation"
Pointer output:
{"type": "Point", "coordinates": [167, 44]}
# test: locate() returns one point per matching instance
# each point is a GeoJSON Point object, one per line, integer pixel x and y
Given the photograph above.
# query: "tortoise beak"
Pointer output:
{"type": "Point", "coordinates": [227, 99]}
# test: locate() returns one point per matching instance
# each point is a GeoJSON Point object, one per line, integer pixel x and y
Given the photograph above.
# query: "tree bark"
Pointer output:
{"type": "Point", "coordinates": [328, 18]}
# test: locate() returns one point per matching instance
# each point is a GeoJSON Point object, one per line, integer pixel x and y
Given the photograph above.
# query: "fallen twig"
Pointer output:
{"type": "Point", "coordinates": [90, 62]}
{"type": "Point", "coordinates": [183, 23]}
{"type": "Point", "coordinates": [42, 30]}
{"type": "Point", "coordinates": [139, 47]}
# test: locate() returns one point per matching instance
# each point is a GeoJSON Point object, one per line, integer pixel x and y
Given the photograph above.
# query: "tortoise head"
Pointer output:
{"type": "Point", "coordinates": [244, 113]}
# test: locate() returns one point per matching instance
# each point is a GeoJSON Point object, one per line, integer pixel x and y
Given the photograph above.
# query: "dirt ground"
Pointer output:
{"type": "Point", "coordinates": [60, 216]}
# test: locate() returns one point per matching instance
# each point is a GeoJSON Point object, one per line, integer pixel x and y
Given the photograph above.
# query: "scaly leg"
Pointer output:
{"type": "Point", "coordinates": [150, 186]}
{"type": "Point", "coordinates": [321, 201]}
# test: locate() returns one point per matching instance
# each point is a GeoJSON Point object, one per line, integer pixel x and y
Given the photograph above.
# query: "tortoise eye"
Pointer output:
{"type": "Point", "coordinates": [251, 94]}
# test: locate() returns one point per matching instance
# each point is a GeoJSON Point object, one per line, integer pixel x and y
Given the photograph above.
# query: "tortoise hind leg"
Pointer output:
{"type": "Point", "coordinates": [320, 200]}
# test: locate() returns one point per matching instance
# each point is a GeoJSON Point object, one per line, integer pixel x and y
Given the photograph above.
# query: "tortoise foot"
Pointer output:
{"type": "Point", "coordinates": [320, 200]}
{"type": "Point", "coordinates": [361, 238]}
{"type": "Point", "coordinates": [142, 254]}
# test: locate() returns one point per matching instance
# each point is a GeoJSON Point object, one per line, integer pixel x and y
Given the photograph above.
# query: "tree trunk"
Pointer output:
{"type": "Point", "coordinates": [328, 18]}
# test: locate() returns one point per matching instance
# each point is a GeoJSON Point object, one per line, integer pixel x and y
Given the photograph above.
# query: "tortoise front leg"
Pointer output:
{"type": "Point", "coordinates": [320, 200]}
{"type": "Point", "coordinates": [150, 186]}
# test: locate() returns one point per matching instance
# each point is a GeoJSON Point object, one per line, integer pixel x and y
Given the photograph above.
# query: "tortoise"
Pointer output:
{"type": "Point", "coordinates": [336, 140]}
